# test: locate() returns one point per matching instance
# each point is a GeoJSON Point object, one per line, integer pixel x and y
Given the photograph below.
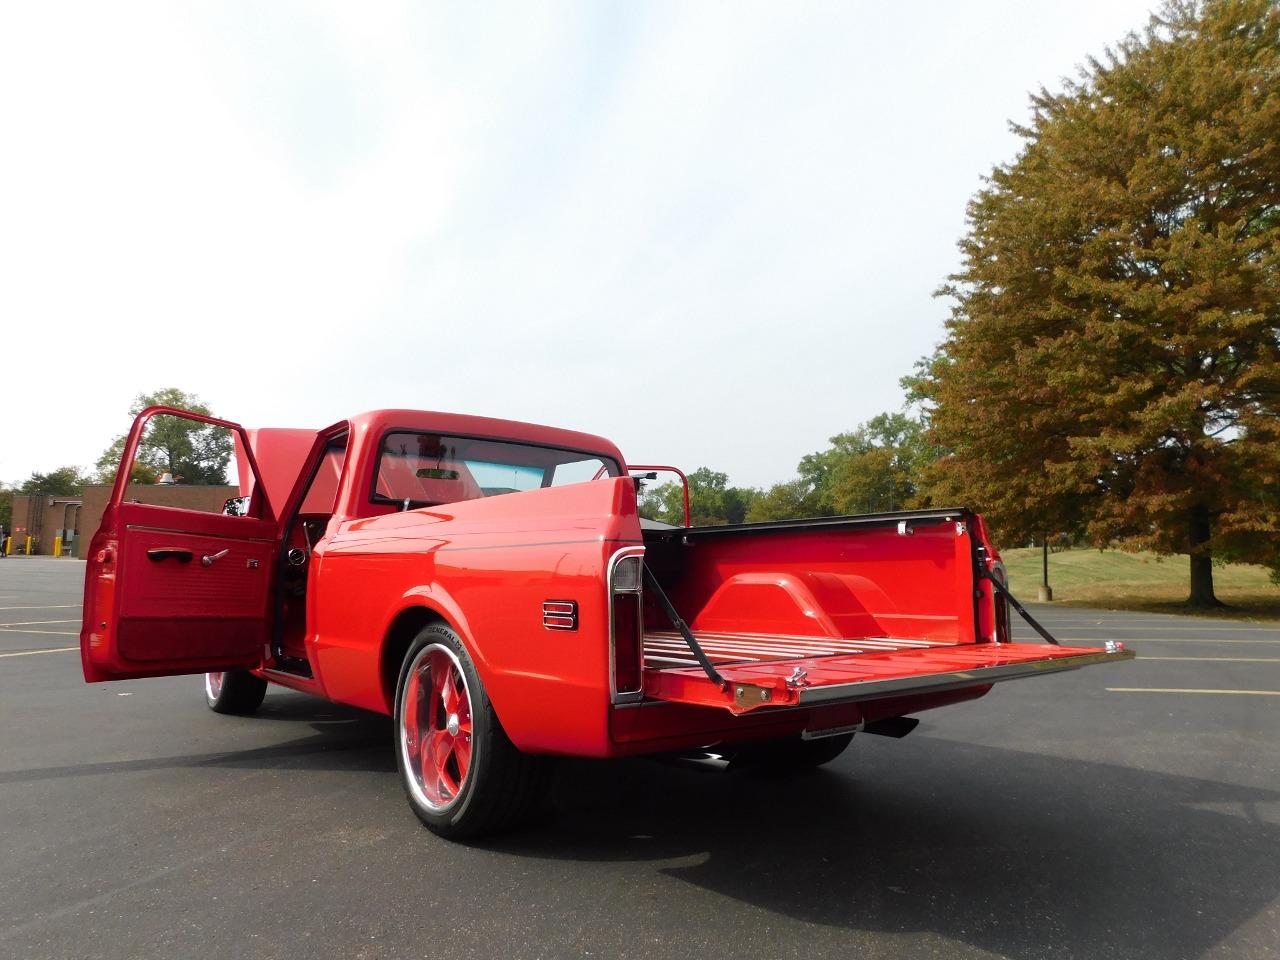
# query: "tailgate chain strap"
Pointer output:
{"type": "Point", "coordinates": [1004, 592]}
{"type": "Point", "coordinates": [683, 629]}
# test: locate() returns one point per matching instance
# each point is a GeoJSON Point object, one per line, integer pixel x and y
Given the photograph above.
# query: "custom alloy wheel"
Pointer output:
{"type": "Point", "coordinates": [213, 686]}
{"type": "Point", "coordinates": [234, 691]}
{"type": "Point", "coordinates": [436, 741]}
{"type": "Point", "coordinates": [462, 775]}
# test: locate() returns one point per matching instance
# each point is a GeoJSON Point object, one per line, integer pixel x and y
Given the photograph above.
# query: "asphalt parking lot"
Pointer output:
{"type": "Point", "coordinates": [1130, 810]}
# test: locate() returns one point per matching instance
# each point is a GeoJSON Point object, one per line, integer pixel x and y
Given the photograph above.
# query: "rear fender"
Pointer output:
{"type": "Point", "coordinates": [418, 608]}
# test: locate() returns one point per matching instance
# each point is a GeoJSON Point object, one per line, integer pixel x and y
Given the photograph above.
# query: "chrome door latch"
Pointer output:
{"type": "Point", "coordinates": [208, 558]}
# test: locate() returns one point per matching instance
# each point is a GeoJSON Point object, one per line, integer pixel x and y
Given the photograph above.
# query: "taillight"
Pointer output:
{"type": "Point", "coordinates": [626, 625]}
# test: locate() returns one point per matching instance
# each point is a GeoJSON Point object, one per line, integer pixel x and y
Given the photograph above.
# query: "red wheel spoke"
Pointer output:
{"type": "Point", "coordinates": [462, 754]}
{"type": "Point", "coordinates": [410, 719]}
{"type": "Point", "coordinates": [439, 676]}
{"type": "Point", "coordinates": [449, 786]}
{"type": "Point", "coordinates": [450, 692]}
{"type": "Point", "coordinates": [439, 757]}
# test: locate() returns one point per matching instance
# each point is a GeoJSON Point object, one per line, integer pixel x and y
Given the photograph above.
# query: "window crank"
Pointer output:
{"type": "Point", "coordinates": [208, 558]}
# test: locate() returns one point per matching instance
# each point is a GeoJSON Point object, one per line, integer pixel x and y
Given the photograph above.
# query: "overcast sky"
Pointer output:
{"type": "Point", "coordinates": [708, 231]}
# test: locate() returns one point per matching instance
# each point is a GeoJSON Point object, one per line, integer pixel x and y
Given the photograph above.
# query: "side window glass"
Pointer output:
{"type": "Point", "coordinates": [191, 466]}
{"type": "Point", "coordinates": [322, 494]}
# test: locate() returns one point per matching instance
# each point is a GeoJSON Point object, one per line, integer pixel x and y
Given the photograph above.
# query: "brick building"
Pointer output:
{"type": "Point", "coordinates": [44, 517]}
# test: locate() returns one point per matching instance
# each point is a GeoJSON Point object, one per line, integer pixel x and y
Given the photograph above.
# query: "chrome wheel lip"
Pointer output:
{"type": "Point", "coordinates": [213, 685]}
{"type": "Point", "coordinates": [408, 764]}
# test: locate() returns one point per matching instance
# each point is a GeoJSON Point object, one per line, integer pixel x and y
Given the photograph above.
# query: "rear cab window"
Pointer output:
{"type": "Point", "coordinates": [418, 469]}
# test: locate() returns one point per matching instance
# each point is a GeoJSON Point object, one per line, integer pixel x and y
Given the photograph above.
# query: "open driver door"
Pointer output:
{"type": "Point", "coordinates": [172, 587]}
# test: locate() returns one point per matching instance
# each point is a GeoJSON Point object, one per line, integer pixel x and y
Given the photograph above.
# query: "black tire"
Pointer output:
{"type": "Point", "coordinates": [793, 755]}
{"type": "Point", "coordinates": [500, 786]}
{"type": "Point", "coordinates": [235, 691]}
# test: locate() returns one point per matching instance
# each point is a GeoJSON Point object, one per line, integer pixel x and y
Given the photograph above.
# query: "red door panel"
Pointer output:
{"type": "Point", "coordinates": [179, 607]}
{"type": "Point", "coordinates": [172, 591]}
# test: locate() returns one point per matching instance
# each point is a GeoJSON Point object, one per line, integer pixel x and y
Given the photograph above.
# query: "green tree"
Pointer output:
{"type": "Point", "coordinates": [6, 510]}
{"type": "Point", "coordinates": [196, 453]}
{"type": "Point", "coordinates": [63, 482]}
{"type": "Point", "coordinates": [873, 468]}
{"type": "Point", "coordinates": [1112, 361]}
{"type": "Point", "coordinates": [790, 500]}
{"type": "Point", "coordinates": [711, 500]}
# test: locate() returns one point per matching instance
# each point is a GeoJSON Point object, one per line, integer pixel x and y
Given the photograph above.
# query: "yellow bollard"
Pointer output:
{"type": "Point", "coordinates": [57, 546]}
{"type": "Point", "coordinates": [8, 546]}
{"type": "Point", "coordinates": [29, 539]}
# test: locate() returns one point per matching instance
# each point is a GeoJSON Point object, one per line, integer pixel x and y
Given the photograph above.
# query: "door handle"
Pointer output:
{"type": "Point", "coordinates": [208, 558]}
{"type": "Point", "coordinates": [157, 554]}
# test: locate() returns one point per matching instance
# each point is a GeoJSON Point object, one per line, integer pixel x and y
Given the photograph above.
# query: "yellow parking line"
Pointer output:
{"type": "Point", "coordinates": [1238, 693]}
{"type": "Point", "coordinates": [1220, 659]}
{"type": "Point", "coordinates": [32, 653]}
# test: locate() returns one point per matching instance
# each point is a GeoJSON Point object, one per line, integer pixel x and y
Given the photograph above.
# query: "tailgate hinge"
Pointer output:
{"type": "Point", "coordinates": [748, 696]}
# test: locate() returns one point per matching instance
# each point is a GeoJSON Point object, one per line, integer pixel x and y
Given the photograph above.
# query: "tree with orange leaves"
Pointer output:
{"type": "Point", "coordinates": [1112, 361]}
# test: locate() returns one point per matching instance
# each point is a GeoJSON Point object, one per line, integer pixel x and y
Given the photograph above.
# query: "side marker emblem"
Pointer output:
{"type": "Point", "coordinates": [560, 614]}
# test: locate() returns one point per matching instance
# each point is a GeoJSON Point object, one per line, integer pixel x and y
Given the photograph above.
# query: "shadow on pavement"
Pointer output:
{"type": "Point", "coordinates": [1014, 852]}
{"type": "Point", "coordinates": [1017, 853]}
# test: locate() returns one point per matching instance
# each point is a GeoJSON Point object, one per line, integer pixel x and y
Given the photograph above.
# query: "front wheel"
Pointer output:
{"type": "Point", "coordinates": [235, 691]}
{"type": "Point", "coordinates": [462, 775]}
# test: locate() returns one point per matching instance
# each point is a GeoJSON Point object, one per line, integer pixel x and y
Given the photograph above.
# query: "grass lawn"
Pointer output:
{"type": "Point", "coordinates": [1140, 581]}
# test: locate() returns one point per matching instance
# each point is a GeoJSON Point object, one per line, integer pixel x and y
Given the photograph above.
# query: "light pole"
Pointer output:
{"type": "Point", "coordinates": [1046, 591]}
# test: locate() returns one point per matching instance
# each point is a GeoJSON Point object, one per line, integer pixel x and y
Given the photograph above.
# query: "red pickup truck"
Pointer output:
{"type": "Point", "coordinates": [491, 585]}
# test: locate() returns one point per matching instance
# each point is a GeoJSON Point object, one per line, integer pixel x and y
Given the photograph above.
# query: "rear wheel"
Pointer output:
{"type": "Point", "coordinates": [462, 775]}
{"type": "Point", "coordinates": [793, 755]}
{"type": "Point", "coordinates": [235, 692]}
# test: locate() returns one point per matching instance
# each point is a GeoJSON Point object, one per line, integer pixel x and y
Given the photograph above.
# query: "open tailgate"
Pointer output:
{"type": "Point", "coordinates": [845, 678]}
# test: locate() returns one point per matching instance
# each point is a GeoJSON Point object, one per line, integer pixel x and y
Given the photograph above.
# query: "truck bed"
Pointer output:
{"type": "Point", "coordinates": [833, 610]}
{"type": "Point", "coordinates": [666, 648]}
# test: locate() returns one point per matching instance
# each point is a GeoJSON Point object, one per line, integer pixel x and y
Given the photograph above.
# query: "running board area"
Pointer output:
{"type": "Point", "coordinates": [767, 683]}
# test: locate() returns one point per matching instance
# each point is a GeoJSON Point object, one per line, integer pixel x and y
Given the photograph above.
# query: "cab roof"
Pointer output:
{"type": "Point", "coordinates": [281, 452]}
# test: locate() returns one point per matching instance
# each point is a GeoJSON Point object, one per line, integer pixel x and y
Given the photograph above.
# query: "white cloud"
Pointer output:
{"type": "Point", "coordinates": [708, 231]}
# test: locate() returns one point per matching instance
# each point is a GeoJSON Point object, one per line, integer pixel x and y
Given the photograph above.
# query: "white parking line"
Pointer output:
{"type": "Point", "coordinates": [1236, 693]}
{"type": "Point", "coordinates": [32, 623]}
{"type": "Point", "coordinates": [1220, 659]}
{"type": "Point", "coordinates": [46, 606]}
{"type": "Point", "coordinates": [32, 653]}
{"type": "Point", "coordinates": [1118, 625]}
{"type": "Point", "coordinates": [1072, 641]}
{"type": "Point", "coordinates": [60, 633]}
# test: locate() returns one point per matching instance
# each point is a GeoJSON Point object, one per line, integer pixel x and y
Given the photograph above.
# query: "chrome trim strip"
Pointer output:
{"type": "Point", "coordinates": [193, 533]}
{"type": "Point", "coordinates": [952, 679]}
{"type": "Point", "coordinates": [625, 696]}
